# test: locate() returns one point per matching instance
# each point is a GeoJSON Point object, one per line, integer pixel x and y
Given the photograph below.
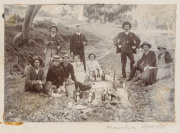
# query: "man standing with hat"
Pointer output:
{"type": "Point", "coordinates": [145, 65]}
{"type": "Point", "coordinates": [35, 79]}
{"type": "Point", "coordinates": [77, 44]}
{"type": "Point", "coordinates": [53, 44]}
{"type": "Point", "coordinates": [127, 43]}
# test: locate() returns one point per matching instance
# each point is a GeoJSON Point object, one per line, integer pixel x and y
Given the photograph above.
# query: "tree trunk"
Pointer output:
{"type": "Point", "coordinates": [23, 37]}
{"type": "Point", "coordinates": [35, 11]}
{"type": "Point", "coordinates": [27, 19]}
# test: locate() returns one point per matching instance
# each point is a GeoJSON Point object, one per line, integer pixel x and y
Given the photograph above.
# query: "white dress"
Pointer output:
{"type": "Point", "coordinates": [164, 69]}
{"type": "Point", "coordinates": [92, 66]}
{"type": "Point", "coordinates": [79, 71]}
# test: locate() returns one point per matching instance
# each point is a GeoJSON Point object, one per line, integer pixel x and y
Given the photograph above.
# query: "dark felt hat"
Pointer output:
{"type": "Point", "coordinates": [145, 43]}
{"type": "Point", "coordinates": [66, 55]}
{"type": "Point", "coordinates": [53, 26]}
{"type": "Point", "coordinates": [36, 58]}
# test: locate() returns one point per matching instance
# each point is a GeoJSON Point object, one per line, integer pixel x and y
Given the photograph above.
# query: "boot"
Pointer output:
{"type": "Point", "coordinates": [139, 82]}
{"type": "Point", "coordinates": [136, 79]}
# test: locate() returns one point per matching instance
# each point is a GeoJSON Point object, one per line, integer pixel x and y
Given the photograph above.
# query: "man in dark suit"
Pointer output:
{"type": "Point", "coordinates": [127, 43]}
{"type": "Point", "coordinates": [67, 68]}
{"type": "Point", "coordinates": [147, 62]}
{"type": "Point", "coordinates": [55, 75]}
{"type": "Point", "coordinates": [35, 78]}
{"type": "Point", "coordinates": [77, 44]}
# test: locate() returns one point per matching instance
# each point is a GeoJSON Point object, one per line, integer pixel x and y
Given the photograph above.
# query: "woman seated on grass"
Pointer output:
{"type": "Point", "coordinates": [164, 63]}
{"type": "Point", "coordinates": [78, 69]}
{"type": "Point", "coordinates": [92, 66]}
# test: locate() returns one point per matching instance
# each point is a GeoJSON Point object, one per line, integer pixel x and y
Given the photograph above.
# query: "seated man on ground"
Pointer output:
{"type": "Point", "coordinates": [146, 65]}
{"type": "Point", "coordinates": [93, 67]}
{"type": "Point", "coordinates": [164, 63]}
{"type": "Point", "coordinates": [55, 76]}
{"type": "Point", "coordinates": [35, 78]}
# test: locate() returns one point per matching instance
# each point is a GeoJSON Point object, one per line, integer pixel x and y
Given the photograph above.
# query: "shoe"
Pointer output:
{"type": "Point", "coordinates": [128, 79]}
{"type": "Point", "coordinates": [139, 82]}
{"type": "Point", "coordinates": [136, 79]}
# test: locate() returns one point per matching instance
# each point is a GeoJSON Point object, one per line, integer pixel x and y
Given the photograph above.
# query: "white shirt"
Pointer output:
{"type": "Point", "coordinates": [37, 70]}
{"type": "Point", "coordinates": [78, 66]}
{"type": "Point", "coordinates": [126, 32]}
{"type": "Point", "coordinates": [147, 52]}
{"type": "Point", "coordinates": [53, 34]}
{"type": "Point", "coordinates": [78, 33]}
{"type": "Point", "coordinates": [92, 66]}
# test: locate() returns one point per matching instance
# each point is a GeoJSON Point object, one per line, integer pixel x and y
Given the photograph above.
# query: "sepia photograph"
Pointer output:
{"type": "Point", "coordinates": [89, 62]}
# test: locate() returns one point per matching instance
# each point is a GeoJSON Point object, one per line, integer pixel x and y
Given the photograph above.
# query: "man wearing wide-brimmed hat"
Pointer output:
{"type": "Point", "coordinates": [77, 44]}
{"type": "Point", "coordinates": [145, 65]}
{"type": "Point", "coordinates": [53, 43]}
{"type": "Point", "coordinates": [35, 79]}
{"type": "Point", "coordinates": [126, 42]}
{"type": "Point", "coordinates": [55, 76]}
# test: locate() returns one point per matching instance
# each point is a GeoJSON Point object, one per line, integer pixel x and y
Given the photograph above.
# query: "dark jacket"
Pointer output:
{"type": "Point", "coordinates": [68, 70]}
{"type": "Point", "coordinates": [76, 44]}
{"type": "Point", "coordinates": [57, 41]}
{"type": "Point", "coordinates": [126, 41]}
{"type": "Point", "coordinates": [55, 75]}
{"type": "Point", "coordinates": [32, 76]}
{"type": "Point", "coordinates": [149, 59]}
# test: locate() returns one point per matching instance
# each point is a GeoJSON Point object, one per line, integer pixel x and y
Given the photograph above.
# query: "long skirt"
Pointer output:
{"type": "Point", "coordinates": [164, 72]}
{"type": "Point", "coordinates": [149, 76]}
{"type": "Point", "coordinates": [80, 76]}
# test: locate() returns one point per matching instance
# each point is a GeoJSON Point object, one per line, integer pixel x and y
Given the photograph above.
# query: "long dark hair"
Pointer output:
{"type": "Point", "coordinates": [167, 57]}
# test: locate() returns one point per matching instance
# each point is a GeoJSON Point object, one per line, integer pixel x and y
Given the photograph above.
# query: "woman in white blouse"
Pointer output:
{"type": "Point", "coordinates": [92, 65]}
{"type": "Point", "coordinates": [78, 69]}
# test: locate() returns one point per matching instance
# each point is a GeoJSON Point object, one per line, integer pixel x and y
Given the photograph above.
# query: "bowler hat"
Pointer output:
{"type": "Point", "coordinates": [36, 58]}
{"type": "Point", "coordinates": [53, 26]}
{"type": "Point", "coordinates": [145, 43]}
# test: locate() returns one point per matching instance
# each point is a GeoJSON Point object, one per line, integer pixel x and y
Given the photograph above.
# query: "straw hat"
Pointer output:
{"type": "Point", "coordinates": [161, 46]}
{"type": "Point", "coordinates": [56, 58]}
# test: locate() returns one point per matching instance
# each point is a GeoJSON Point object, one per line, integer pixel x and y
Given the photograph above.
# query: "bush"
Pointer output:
{"type": "Point", "coordinates": [43, 24]}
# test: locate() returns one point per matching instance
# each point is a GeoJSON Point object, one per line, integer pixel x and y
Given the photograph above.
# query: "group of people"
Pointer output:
{"type": "Point", "coordinates": [58, 70]}
{"type": "Point", "coordinates": [150, 69]}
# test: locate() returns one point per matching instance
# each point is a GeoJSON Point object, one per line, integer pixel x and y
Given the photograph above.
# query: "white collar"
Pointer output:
{"type": "Point", "coordinates": [126, 32]}
{"type": "Point", "coordinates": [37, 70]}
{"type": "Point", "coordinates": [147, 52]}
{"type": "Point", "coordinates": [78, 33]}
{"type": "Point", "coordinates": [53, 34]}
